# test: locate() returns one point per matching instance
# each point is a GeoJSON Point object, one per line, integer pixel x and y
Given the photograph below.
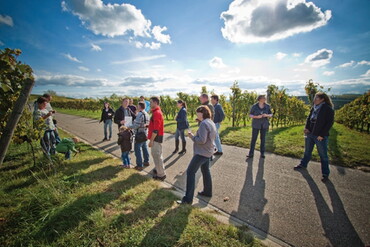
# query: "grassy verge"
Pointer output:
{"type": "Point", "coordinates": [347, 147]}
{"type": "Point", "coordinates": [92, 201]}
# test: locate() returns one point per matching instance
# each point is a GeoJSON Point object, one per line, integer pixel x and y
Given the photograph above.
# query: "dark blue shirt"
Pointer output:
{"type": "Point", "coordinates": [260, 123]}
{"type": "Point", "coordinates": [219, 114]}
{"type": "Point", "coordinates": [182, 120]}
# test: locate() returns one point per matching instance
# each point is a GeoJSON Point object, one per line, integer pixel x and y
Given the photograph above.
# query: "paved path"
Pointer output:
{"type": "Point", "coordinates": [295, 207]}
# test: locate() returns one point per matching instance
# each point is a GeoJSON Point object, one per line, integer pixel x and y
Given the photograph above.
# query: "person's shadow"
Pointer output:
{"type": "Point", "coordinates": [336, 224]}
{"type": "Point", "coordinates": [252, 199]}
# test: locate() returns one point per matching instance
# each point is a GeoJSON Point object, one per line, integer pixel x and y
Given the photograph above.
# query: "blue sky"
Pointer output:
{"type": "Point", "coordinates": [94, 48]}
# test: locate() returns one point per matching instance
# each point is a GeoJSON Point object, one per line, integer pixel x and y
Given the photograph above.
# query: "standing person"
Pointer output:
{"type": "Point", "coordinates": [132, 107]}
{"type": "Point", "coordinates": [48, 97]}
{"type": "Point", "coordinates": [107, 115]}
{"type": "Point", "coordinates": [122, 112]}
{"type": "Point", "coordinates": [124, 140]}
{"type": "Point", "coordinates": [147, 103]}
{"type": "Point", "coordinates": [48, 141]}
{"type": "Point", "coordinates": [318, 124]}
{"type": "Point", "coordinates": [260, 113]}
{"type": "Point", "coordinates": [219, 117]}
{"type": "Point", "coordinates": [203, 151]}
{"type": "Point", "coordinates": [182, 124]}
{"type": "Point", "coordinates": [204, 100]}
{"type": "Point", "coordinates": [67, 146]}
{"type": "Point", "coordinates": [155, 136]}
{"type": "Point", "coordinates": [139, 126]}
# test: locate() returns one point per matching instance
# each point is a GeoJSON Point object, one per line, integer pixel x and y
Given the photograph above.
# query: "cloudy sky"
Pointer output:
{"type": "Point", "coordinates": [93, 48]}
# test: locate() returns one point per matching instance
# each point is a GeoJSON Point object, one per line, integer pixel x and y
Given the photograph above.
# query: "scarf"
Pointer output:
{"type": "Point", "coordinates": [316, 110]}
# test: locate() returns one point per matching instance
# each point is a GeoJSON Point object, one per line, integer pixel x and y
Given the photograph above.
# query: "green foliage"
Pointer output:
{"type": "Point", "coordinates": [312, 88]}
{"type": "Point", "coordinates": [240, 104]}
{"type": "Point", "coordinates": [356, 114]}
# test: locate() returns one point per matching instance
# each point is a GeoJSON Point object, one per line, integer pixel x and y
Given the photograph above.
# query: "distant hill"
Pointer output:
{"type": "Point", "coordinates": [338, 100]}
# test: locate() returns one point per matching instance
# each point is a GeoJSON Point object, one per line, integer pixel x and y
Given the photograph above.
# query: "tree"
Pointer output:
{"type": "Point", "coordinates": [51, 92]}
{"type": "Point", "coordinates": [312, 88]}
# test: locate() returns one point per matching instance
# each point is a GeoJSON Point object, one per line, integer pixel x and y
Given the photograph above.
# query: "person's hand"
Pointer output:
{"type": "Point", "coordinates": [122, 122]}
{"type": "Point", "coordinates": [259, 116]}
{"type": "Point", "coordinates": [150, 144]}
{"type": "Point", "coordinates": [190, 135]}
{"type": "Point", "coordinates": [49, 113]}
{"type": "Point", "coordinates": [320, 138]}
{"type": "Point", "coordinates": [306, 131]}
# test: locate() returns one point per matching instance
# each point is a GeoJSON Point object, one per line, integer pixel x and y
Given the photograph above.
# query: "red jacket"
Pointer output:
{"type": "Point", "coordinates": [156, 125]}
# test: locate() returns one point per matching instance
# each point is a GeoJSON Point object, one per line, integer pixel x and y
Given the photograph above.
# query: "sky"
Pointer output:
{"type": "Point", "coordinates": [94, 48]}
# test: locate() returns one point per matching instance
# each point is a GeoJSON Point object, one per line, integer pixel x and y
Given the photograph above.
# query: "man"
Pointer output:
{"type": "Point", "coordinates": [219, 117]}
{"type": "Point", "coordinates": [139, 125]}
{"type": "Point", "coordinates": [132, 107]}
{"type": "Point", "coordinates": [147, 103]}
{"type": "Point", "coordinates": [204, 100]}
{"type": "Point", "coordinates": [122, 112]}
{"type": "Point", "coordinates": [48, 97]}
{"type": "Point", "coordinates": [155, 136]}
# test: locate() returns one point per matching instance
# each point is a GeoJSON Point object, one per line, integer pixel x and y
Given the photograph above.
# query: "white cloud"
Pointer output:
{"type": "Point", "coordinates": [265, 20]}
{"type": "Point", "coordinates": [141, 80]}
{"type": "Point", "coordinates": [95, 47]}
{"type": "Point", "coordinates": [7, 20]}
{"type": "Point", "coordinates": [83, 68]}
{"type": "Point", "coordinates": [139, 45]}
{"type": "Point", "coordinates": [319, 58]}
{"type": "Point", "coordinates": [363, 62]}
{"type": "Point", "coordinates": [297, 54]}
{"type": "Point", "coordinates": [1, 43]}
{"type": "Point", "coordinates": [109, 19]}
{"type": "Point", "coordinates": [153, 45]}
{"type": "Point", "coordinates": [216, 63]}
{"type": "Point", "coordinates": [139, 59]}
{"type": "Point", "coordinates": [68, 80]}
{"type": "Point", "coordinates": [98, 70]}
{"type": "Point", "coordinates": [74, 59]}
{"type": "Point", "coordinates": [328, 73]}
{"type": "Point", "coordinates": [367, 74]}
{"type": "Point", "coordinates": [345, 65]}
{"type": "Point", "coordinates": [158, 35]}
{"type": "Point", "coordinates": [280, 55]}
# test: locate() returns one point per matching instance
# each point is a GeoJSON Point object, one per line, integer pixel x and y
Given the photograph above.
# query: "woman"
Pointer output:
{"type": "Point", "coordinates": [260, 114]}
{"type": "Point", "coordinates": [203, 151]}
{"type": "Point", "coordinates": [182, 124]}
{"type": "Point", "coordinates": [318, 124]}
{"type": "Point", "coordinates": [107, 116]}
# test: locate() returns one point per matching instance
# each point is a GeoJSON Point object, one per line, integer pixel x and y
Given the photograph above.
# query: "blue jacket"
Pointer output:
{"type": "Point", "coordinates": [182, 120]}
{"type": "Point", "coordinates": [219, 114]}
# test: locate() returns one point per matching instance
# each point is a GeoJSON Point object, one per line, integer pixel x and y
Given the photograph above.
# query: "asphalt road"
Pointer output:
{"type": "Point", "coordinates": [294, 207]}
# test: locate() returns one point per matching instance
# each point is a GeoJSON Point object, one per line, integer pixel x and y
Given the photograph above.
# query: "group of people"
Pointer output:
{"type": "Point", "coordinates": [136, 127]}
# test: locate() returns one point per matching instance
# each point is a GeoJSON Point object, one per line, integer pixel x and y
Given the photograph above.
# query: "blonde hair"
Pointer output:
{"type": "Point", "coordinates": [75, 139]}
{"type": "Point", "coordinates": [123, 128]}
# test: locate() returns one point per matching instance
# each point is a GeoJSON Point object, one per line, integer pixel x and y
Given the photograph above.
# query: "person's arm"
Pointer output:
{"type": "Point", "coordinates": [306, 131]}
{"type": "Point", "coordinates": [116, 117]}
{"type": "Point", "coordinates": [329, 121]}
{"type": "Point", "coordinates": [136, 124]}
{"type": "Point", "coordinates": [269, 113]}
{"type": "Point", "coordinates": [156, 126]}
{"type": "Point", "coordinates": [222, 113]}
{"type": "Point", "coordinates": [202, 134]}
{"type": "Point", "coordinates": [102, 114]}
{"type": "Point", "coordinates": [252, 112]}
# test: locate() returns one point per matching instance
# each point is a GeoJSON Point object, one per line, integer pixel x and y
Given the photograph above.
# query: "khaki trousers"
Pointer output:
{"type": "Point", "coordinates": [158, 158]}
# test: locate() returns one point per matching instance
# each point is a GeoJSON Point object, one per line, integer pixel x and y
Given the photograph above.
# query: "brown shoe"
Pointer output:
{"type": "Point", "coordinates": [146, 164]}
{"type": "Point", "coordinates": [139, 168]}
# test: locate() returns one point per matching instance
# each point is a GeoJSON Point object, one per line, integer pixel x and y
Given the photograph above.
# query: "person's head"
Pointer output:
{"type": "Point", "coordinates": [47, 97]}
{"type": "Point", "coordinates": [106, 105]}
{"type": "Point", "coordinates": [142, 98]}
{"type": "Point", "coordinates": [203, 112]}
{"type": "Point", "coordinates": [76, 139]}
{"type": "Point", "coordinates": [181, 104]}
{"type": "Point", "coordinates": [322, 97]}
{"type": "Point", "coordinates": [125, 102]}
{"type": "Point", "coordinates": [154, 102]}
{"type": "Point", "coordinates": [41, 102]}
{"type": "Point", "coordinates": [261, 99]}
{"type": "Point", "coordinates": [131, 101]}
{"type": "Point", "coordinates": [214, 99]}
{"type": "Point", "coordinates": [141, 106]}
{"type": "Point", "coordinates": [203, 98]}
{"type": "Point", "coordinates": [123, 129]}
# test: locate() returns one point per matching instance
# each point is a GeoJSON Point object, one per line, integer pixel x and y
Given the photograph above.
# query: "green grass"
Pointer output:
{"type": "Point", "coordinates": [92, 201]}
{"type": "Point", "coordinates": [347, 147]}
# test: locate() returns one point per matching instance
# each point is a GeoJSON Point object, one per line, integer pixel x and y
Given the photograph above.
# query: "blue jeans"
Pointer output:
{"type": "Point", "coordinates": [138, 147]}
{"type": "Point", "coordinates": [322, 149]}
{"type": "Point", "coordinates": [48, 142]}
{"type": "Point", "coordinates": [67, 155]}
{"type": "Point", "coordinates": [218, 140]}
{"type": "Point", "coordinates": [196, 162]}
{"type": "Point", "coordinates": [254, 139]}
{"type": "Point", "coordinates": [126, 158]}
{"type": "Point", "coordinates": [180, 133]}
{"type": "Point", "coordinates": [108, 124]}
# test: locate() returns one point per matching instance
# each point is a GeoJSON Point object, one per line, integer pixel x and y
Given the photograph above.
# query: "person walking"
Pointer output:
{"type": "Point", "coordinates": [155, 136]}
{"type": "Point", "coordinates": [140, 130]}
{"type": "Point", "coordinates": [124, 140]}
{"type": "Point", "coordinates": [219, 117]}
{"type": "Point", "coordinates": [107, 115]}
{"type": "Point", "coordinates": [204, 100]}
{"type": "Point", "coordinates": [182, 124]}
{"type": "Point", "coordinates": [122, 112]}
{"type": "Point", "coordinates": [203, 150]}
{"type": "Point", "coordinates": [318, 125]}
{"type": "Point", "coordinates": [260, 113]}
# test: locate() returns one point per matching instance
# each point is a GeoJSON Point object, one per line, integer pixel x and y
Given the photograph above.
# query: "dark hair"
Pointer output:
{"type": "Point", "coordinates": [142, 105]}
{"type": "Point", "coordinates": [142, 97]}
{"type": "Point", "coordinates": [183, 103]}
{"type": "Point", "coordinates": [215, 97]}
{"type": "Point", "coordinates": [205, 110]}
{"type": "Point", "coordinates": [326, 98]}
{"type": "Point", "coordinates": [46, 95]}
{"type": "Point", "coordinates": [261, 96]}
{"type": "Point", "coordinates": [125, 99]}
{"type": "Point", "coordinates": [204, 95]}
{"type": "Point", "coordinates": [106, 103]}
{"type": "Point", "coordinates": [155, 99]}
{"type": "Point", "coordinates": [41, 100]}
